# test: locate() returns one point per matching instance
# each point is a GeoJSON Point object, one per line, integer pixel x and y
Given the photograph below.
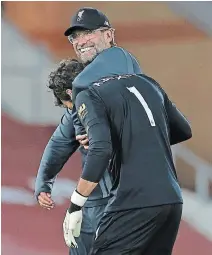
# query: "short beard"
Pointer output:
{"type": "Point", "coordinates": [87, 62]}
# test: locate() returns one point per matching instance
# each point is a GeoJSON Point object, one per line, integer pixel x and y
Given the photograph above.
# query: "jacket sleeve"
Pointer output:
{"type": "Point", "coordinates": [92, 115]}
{"type": "Point", "coordinates": [60, 147]}
{"type": "Point", "coordinates": [180, 129]}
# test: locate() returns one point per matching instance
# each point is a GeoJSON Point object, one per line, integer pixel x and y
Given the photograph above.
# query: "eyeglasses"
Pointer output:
{"type": "Point", "coordinates": [75, 36]}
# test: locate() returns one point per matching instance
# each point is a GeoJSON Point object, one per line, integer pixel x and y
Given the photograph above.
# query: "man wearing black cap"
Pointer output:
{"type": "Point", "coordinates": [92, 37]}
{"type": "Point", "coordinates": [93, 40]}
{"type": "Point", "coordinates": [90, 33]}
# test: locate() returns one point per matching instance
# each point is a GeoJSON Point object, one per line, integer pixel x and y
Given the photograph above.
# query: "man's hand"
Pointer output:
{"type": "Point", "coordinates": [45, 201]}
{"type": "Point", "coordinates": [83, 140]}
{"type": "Point", "coordinates": [71, 227]}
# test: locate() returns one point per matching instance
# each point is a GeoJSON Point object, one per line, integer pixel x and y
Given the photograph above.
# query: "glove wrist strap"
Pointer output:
{"type": "Point", "coordinates": [74, 208]}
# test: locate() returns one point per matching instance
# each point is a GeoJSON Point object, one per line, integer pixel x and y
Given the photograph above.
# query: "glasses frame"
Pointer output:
{"type": "Point", "coordinates": [71, 40]}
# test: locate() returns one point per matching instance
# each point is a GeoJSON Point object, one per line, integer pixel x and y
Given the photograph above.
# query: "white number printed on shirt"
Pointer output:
{"type": "Point", "coordinates": [144, 104]}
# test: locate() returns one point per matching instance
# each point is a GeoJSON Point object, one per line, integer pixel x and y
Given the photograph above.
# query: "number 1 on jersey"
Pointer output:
{"type": "Point", "coordinates": [144, 104]}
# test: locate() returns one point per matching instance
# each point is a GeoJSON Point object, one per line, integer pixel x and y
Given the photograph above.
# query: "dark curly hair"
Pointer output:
{"type": "Point", "coordinates": [62, 77]}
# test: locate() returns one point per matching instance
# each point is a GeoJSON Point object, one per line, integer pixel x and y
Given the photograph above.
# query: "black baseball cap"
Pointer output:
{"type": "Point", "coordinates": [88, 18]}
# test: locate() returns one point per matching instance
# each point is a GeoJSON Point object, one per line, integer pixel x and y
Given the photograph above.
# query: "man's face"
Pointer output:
{"type": "Point", "coordinates": [67, 104]}
{"type": "Point", "coordinates": [88, 44]}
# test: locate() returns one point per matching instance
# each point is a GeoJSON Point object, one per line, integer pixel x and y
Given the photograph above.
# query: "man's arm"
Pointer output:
{"type": "Point", "coordinates": [60, 147]}
{"type": "Point", "coordinates": [92, 115]}
{"type": "Point", "coordinates": [180, 129]}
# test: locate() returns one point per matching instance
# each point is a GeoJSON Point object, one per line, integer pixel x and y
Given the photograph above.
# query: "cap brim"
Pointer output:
{"type": "Point", "coordinates": [70, 30]}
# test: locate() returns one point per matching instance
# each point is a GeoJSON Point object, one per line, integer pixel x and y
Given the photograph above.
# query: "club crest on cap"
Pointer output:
{"type": "Point", "coordinates": [79, 15]}
{"type": "Point", "coordinates": [106, 23]}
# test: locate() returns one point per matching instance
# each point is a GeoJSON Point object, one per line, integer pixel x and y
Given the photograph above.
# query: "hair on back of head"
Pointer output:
{"type": "Point", "coordinates": [62, 77]}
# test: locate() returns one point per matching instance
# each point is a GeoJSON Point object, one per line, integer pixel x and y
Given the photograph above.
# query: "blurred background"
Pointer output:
{"type": "Point", "coordinates": [171, 40]}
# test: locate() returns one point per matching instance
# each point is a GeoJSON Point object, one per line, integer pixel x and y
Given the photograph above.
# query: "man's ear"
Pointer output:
{"type": "Point", "coordinates": [69, 92]}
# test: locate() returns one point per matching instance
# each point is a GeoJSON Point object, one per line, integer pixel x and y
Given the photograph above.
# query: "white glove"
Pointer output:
{"type": "Point", "coordinates": [73, 220]}
{"type": "Point", "coordinates": [71, 227]}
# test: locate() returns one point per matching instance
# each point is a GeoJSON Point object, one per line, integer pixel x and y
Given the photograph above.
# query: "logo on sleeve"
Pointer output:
{"type": "Point", "coordinates": [82, 111]}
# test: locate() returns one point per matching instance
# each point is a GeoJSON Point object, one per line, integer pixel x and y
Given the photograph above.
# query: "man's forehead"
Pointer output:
{"type": "Point", "coordinates": [80, 30]}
